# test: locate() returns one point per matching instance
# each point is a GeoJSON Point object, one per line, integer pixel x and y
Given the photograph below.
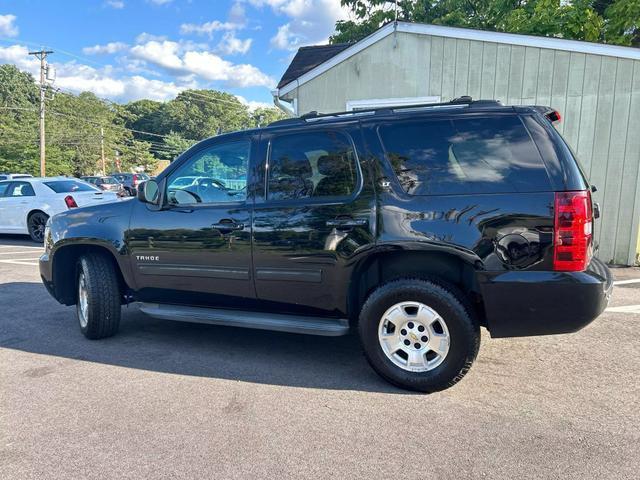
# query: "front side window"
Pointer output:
{"type": "Point", "coordinates": [3, 188]}
{"type": "Point", "coordinates": [217, 174]}
{"type": "Point", "coordinates": [311, 165]}
{"type": "Point", "coordinates": [466, 155]}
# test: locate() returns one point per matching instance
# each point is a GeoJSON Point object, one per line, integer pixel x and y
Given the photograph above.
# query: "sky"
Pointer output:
{"type": "Point", "coordinates": [125, 50]}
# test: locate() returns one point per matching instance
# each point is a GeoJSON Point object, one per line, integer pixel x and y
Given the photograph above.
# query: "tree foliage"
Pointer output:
{"type": "Point", "coordinates": [607, 21]}
{"type": "Point", "coordinates": [137, 134]}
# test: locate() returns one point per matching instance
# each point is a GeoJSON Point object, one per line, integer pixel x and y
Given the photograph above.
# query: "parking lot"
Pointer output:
{"type": "Point", "coordinates": [177, 400]}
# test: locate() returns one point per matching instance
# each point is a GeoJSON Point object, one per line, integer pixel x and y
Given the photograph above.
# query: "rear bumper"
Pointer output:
{"type": "Point", "coordinates": [523, 303]}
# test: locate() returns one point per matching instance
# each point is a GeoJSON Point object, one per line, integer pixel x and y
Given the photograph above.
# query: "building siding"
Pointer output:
{"type": "Point", "coordinates": [598, 96]}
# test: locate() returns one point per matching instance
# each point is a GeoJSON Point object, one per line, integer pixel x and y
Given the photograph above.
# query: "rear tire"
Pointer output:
{"type": "Point", "coordinates": [418, 334]}
{"type": "Point", "coordinates": [35, 225]}
{"type": "Point", "coordinates": [98, 296]}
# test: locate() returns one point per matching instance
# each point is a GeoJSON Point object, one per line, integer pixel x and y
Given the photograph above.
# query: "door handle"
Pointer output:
{"type": "Point", "coordinates": [345, 223]}
{"type": "Point", "coordinates": [228, 225]}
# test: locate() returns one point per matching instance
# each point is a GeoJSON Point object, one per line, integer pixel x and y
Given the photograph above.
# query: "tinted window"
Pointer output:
{"type": "Point", "coordinates": [213, 175]}
{"type": "Point", "coordinates": [467, 155]}
{"type": "Point", "coordinates": [108, 180]}
{"type": "Point", "coordinates": [3, 188]}
{"type": "Point", "coordinates": [66, 186]}
{"type": "Point", "coordinates": [306, 165]}
{"type": "Point", "coordinates": [20, 189]}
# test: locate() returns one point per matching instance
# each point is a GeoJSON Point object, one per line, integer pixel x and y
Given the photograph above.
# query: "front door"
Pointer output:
{"type": "Point", "coordinates": [313, 219]}
{"type": "Point", "coordinates": [196, 249]}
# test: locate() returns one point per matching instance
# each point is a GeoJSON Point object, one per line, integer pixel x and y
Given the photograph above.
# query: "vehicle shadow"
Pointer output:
{"type": "Point", "coordinates": [18, 240]}
{"type": "Point", "coordinates": [45, 327]}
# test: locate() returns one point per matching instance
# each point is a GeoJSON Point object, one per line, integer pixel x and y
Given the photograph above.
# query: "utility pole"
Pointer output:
{"type": "Point", "coordinates": [42, 56]}
{"type": "Point", "coordinates": [104, 172]}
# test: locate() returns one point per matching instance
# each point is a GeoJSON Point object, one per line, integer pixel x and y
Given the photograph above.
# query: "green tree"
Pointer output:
{"type": "Point", "coordinates": [261, 117]}
{"type": "Point", "coordinates": [175, 145]}
{"type": "Point", "coordinates": [607, 21]}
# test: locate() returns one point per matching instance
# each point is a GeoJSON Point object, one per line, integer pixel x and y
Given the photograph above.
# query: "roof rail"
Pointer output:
{"type": "Point", "coordinates": [315, 116]}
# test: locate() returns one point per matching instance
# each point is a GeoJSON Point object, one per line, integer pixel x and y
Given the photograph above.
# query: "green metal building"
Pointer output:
{"type": "Point", "coordinates": [595, 87]}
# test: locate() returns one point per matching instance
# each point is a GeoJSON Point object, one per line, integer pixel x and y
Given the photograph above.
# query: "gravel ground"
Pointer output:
{"type": "Point", "coordinates": [176, 400]}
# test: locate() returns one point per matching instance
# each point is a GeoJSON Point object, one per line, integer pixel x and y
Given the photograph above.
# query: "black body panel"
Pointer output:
{"type": "Point", "coordinates": [309, 256]}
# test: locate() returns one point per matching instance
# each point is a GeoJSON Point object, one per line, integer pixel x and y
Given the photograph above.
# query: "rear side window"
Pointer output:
{"type": "Point", "coordinates": [466, 155]}
{"type": "Point", "coordinates": [311, 165]}
{"type": "Point", "coordinates": [68, 186]}
{"type": "Point", "coordinates": [21, 189]}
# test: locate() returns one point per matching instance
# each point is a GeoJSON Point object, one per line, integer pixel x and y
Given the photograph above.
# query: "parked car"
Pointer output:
{"type": "Point", "coordinates": [13, 176]}
{"type": "Point", "coordinates": [130, 181]}
{"type": "Point", "coordinates": [106, 183]}
{"type": "Point", "coordinates": [27, 203]}
{"type": "Point", "coordinates": [413, 227]}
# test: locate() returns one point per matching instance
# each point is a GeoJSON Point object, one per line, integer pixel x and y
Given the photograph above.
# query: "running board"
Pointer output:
{"type": "Point", "coordinates": [237, 318]}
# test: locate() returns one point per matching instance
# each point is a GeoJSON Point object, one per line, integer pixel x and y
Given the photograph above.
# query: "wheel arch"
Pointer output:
{"type": "Point", "coordinates": [445, 267]}
{"type": "Point", "coordinates": [65, 273]}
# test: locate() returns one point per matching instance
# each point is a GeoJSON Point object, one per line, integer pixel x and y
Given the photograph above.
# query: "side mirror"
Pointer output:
{"type": "Point", "coordinates": [148, 192]}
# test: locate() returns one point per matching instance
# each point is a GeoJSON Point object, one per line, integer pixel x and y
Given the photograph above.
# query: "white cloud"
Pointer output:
{"type": "Point", "coordinates": [160, 2]}
{"type": "Point", "coordinates": [180, 59]}
{"type": "Point", "coordinates": [207, 28]}
{"type": "Point", "coordinates": [117, 4]}
{"type": "Point", "coordinates": [145, 37]}
{"type": "Point", "coordinates": [310, 21]}
{"type": "Point", "coordinates": [107, 49]}
{"type": "Point", "coordinates": [103, 82]}
{"type": "Point", "coordinates": [254, 105]}
{"type": "Point", "coordinates": [8, 28]}
{"type": "Point", "coordinates": [231, 45]}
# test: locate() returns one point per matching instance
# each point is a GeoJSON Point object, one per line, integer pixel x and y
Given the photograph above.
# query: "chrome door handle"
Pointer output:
{"type": "Point", "coordinates": [228, 226]}
{"type": "Point", "coordinates": [347, 222]}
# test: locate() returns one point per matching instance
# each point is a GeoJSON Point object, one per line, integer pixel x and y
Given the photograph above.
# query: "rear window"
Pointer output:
{"type": "Point", "coordinates": [466, 155]}
{"type": "Point", "coordinates": [68, 186]}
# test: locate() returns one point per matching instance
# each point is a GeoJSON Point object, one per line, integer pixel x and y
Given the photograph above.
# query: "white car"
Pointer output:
{"type": "Point", "coordinates": [27, 203]}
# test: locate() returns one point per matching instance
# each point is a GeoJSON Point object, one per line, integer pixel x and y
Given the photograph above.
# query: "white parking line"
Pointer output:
{"type": "Point", "coordinates": [19, 251]}
{"type": "Point", "coordinates": [624, 309]}
{"type": "Point", "coordinates": [21, 246]}
{"type": "Point", "coordinates": [627, 282]}
{"type": "Point", "coordinates": [19, 262]}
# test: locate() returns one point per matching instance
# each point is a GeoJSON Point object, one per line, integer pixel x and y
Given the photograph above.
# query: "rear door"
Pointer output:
{"type": "Point", "coordinates": [197, 248]}
{"type": "Point", "coordinates": [312, 219]}
{"type": "Point", "coordinates": [4, 221]}
{"type": "Point", "coordinates": [17, 203]}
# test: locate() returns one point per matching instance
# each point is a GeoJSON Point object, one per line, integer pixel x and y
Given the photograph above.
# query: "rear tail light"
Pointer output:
{"type": "Point", "coordinates": [70, 201]}
{"type": "Point", "coordinates": [573, 232]}
{"type": "Point", "coordinates": [553, 116]}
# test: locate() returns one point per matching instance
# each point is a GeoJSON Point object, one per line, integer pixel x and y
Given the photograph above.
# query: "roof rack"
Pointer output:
{"type": "Point", "coordinates": [464, 101]}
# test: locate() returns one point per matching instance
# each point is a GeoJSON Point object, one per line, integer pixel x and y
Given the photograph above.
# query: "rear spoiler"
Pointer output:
{"type": "Point", "coordinates": [549, 113]}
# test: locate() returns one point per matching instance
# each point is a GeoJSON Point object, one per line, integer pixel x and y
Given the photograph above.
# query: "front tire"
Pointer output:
{"type": "Point", "coordinates": [419, 335]}
{"type": "Point", "coordinates": [98, 297]}
{"type": "Point", "coordinates": [36, 224]}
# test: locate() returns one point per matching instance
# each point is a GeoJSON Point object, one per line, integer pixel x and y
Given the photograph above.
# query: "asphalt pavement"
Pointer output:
{"type": "Point", "coordinates": [175, 400]}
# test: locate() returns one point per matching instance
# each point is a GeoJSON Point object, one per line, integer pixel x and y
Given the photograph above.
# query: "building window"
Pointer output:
{"type": "Point", "coordinates": [353, 105]}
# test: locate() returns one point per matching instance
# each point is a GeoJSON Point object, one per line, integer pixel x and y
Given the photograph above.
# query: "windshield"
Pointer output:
{"type": "Point", "coordinates": [67, 186]}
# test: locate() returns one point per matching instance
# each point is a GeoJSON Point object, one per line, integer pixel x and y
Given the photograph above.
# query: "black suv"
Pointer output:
{"type": "Point", "coordinates": [412, 226]}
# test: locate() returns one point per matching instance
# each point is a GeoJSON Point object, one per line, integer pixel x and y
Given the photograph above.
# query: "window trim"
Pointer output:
{"type": "Point", "coordinates": [167, 177]}
{"type": "Point", "coordinates": [312, 200]}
